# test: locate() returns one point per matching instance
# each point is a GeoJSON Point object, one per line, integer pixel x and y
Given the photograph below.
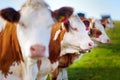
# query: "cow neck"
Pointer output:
{"type": "Point", "coordinates": [55, 45]}
{"type": "Point", "coordinates": [9, 48]}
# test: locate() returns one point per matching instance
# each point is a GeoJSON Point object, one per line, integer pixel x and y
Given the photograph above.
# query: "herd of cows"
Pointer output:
{"type": "Point", "coordinates": [36, 42]}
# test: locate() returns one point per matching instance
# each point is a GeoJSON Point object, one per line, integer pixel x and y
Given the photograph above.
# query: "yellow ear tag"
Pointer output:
{"type": "Point", "coordinates": [61, 18]}
{"type": "Point", "coordinates": [91, 25]}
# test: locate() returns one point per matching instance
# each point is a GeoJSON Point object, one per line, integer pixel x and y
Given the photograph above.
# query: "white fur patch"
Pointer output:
{"type": "Point", "coordinates": [62, 74]}
{"type": "Point", "coordinates": [2, 23]}
{"type": "Point", "coordinates": [46, 67]}
{"type": "Point", "coordinates": [75, 41]}
{"type": "Point", "coordinates": [57, 34]}
{"type": "Point", "coordinates": [35, 29]}
{"type": "Point", "coordinates": [16, 73]}
{"type": "Point", "coordinates": [58, 31]}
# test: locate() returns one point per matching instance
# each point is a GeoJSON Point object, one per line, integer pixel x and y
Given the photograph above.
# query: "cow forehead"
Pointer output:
{"type": "Point", "coordinates": [98, 25]}
{"type": "Point", "coordinates": [75, 22]}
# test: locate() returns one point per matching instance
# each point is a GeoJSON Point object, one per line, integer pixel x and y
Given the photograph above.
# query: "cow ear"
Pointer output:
{"type": "Point", "coordinates": [10, 14]}
{"type": "Point", "coordinates": [63, 13]}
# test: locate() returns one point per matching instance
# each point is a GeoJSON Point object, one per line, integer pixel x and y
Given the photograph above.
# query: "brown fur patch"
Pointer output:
{"type": "Point", "coordinates": [64, 61]}
{"type": "Point", "coordinates": [67, 60]}
{"type": "Point", "coordinates": [9, 48]}
{"type": "Point", "coordinates": [55, 45]}
{"type": "Point", "coordinates": [95, 32]}
{"type": "Point", "coordinates": [104, 22]}
{"type": "Point", "coordinates": [86, 22]}
{"type": "Point", "coordinates": [10, 14]}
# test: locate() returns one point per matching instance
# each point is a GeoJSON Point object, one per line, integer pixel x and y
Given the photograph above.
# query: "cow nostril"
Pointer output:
{"type": "Point", "coordinates": [32, 48]}
{"type": "Point", "coordinates": [108, 40]}
{"type": "Point", "coordinates": [37, 47]}
{"type": "Point", "coordinates": [90, 44]}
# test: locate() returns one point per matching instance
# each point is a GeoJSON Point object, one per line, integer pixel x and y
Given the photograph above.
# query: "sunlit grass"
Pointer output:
{"type": "Point", "coordinates": [102, 63]}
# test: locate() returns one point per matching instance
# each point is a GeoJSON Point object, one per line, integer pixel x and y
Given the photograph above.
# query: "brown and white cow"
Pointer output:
{"type": "Point", "coordinates": [74, 26]}
{"type": "Point", "coordinates": [103, 38]}
{"type": "Point", "coordinates": [66, 37]}
{"type": "Point", "coordinates": [23, 41]}
{"type": "Point", "coordinates": [94, 26]}
{"type": "Point", "coordinates": [107, 22]}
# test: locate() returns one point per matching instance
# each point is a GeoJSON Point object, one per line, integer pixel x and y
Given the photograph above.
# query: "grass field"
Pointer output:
{"type": "Point", "coordinates": [102, 63]}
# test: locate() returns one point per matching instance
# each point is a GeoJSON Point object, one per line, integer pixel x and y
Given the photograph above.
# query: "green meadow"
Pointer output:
{"type": "Point", "coordinates": [102, 63]}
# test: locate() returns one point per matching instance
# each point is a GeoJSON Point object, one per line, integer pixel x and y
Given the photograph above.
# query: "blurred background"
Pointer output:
{"type": "Point", "coordinates": [92, 8]}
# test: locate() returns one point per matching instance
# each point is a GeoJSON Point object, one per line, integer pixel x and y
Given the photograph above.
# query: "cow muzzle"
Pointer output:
{"type": "Point", "coordinates": [37, 51]}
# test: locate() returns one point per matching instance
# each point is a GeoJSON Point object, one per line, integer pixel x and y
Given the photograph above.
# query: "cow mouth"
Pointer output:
{"type": "Point", "coordinates": [84, 51]}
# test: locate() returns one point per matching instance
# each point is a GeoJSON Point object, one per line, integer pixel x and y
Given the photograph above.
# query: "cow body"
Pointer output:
{"type": "Point", "coordinates": [77, 38]}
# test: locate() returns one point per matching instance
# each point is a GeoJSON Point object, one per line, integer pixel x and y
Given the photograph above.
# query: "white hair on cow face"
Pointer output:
{"type": "Point", "coordinates": [34, 26]}
{"type": "Point", "coordinates": [77, 39]}
{"type": "Point", "coordinates": [37, 3]}
{"type": "Point", "coordinates": [103, 38]}
{"type": "Point", "coordinates": [33, 32]}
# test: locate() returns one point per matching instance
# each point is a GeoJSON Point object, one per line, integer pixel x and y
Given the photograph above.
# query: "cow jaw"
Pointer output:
{"type": "Point", "coordinates": [32, 28]}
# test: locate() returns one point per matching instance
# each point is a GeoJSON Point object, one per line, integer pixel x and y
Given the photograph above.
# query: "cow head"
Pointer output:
{"type": "Point", "coordinates": [76, 38]}
{"type": "Point", "coordinates": [90, 28]}
{"type": "Point", "coordinates": [107, 23]}
{"type": "Point", "coordinates": [32, 31]}
{"type": "Point", "coordinates": [103, 38]}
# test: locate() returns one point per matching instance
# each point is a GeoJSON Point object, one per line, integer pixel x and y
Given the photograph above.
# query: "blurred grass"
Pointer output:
{"type": "Point", "coordinates": [102, 63]}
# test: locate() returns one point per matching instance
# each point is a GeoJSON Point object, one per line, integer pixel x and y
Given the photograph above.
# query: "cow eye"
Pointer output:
{"type": "Point", "coordinates": [75, 29]}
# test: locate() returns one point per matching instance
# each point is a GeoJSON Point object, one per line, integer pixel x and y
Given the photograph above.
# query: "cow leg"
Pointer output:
{"type": "Point", "coordinates": [41, 78]}
{"type": "Point", "coordinates": [62, 74]}
{"type": "Point", "coordinates": [65, 75]}
{"type": "Point", "coordinates": [54, 74]}
{"type": "Point", "coordinates": [30, 70]}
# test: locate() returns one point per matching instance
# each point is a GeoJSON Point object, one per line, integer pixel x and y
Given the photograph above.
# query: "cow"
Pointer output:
{"type": "Point", "coordinates": [93, 23]}
{"type": "Point", "coordinates": [103, 38]}
{"type": "Point", "coordinates": [64, 39]}
{"type": "Point", "coordinates": [27, 39]}
{"type": "Point", "coordinates": [107, 22]}
{"type": "Point", "coordinates": [61, 15]}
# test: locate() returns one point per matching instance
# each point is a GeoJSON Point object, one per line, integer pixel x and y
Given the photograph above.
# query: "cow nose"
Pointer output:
{"type": "Point", "coordinates": [37, 50]}
{"type": "Point", "coordinates": [91, 44]}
